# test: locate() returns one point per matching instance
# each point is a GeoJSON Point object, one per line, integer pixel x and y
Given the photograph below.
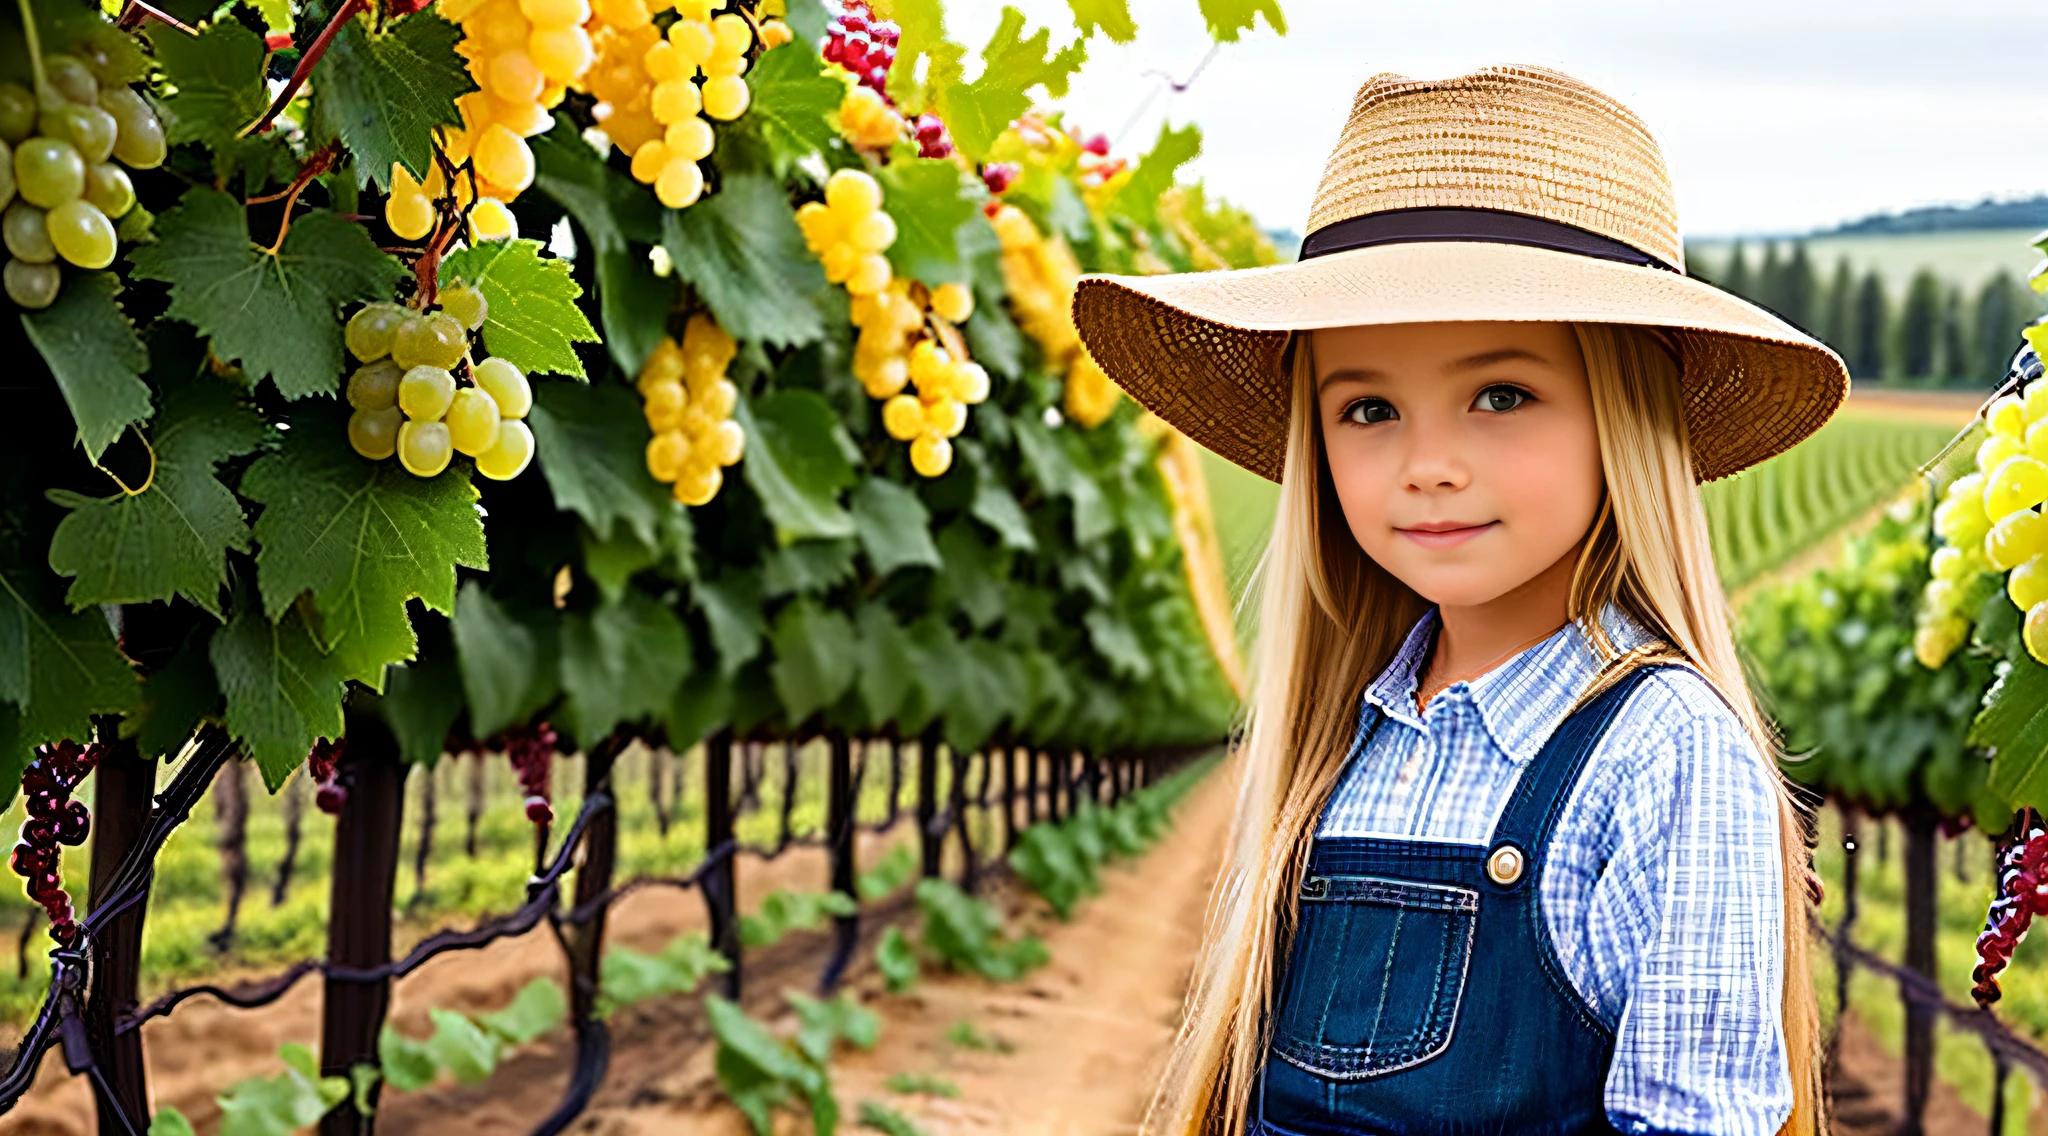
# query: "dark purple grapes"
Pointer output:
{"type": "Point", "coordinates": [531, 751]}
{"type": "Point", "coordinates": [323, 765]}
{"type": "Point", "coordinates": [2022, 894]}
{"type": "Point", "coordinates": [54, 819]}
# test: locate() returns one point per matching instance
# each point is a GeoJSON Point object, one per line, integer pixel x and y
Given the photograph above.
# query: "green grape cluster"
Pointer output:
{"type": "Point", "coordinates": [62, 185]}
{"type": "Point", "coordinates": [1991, 522]}
{"type": "Point", "coordinates": [409, 403]}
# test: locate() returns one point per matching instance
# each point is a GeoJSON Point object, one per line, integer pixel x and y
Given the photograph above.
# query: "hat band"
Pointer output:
{"type": "Point", "coordinates": [1409, 226]}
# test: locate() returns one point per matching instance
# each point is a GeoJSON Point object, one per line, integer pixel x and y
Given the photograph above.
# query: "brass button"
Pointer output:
{"type": "Point", "coordinates": [1504, 866]}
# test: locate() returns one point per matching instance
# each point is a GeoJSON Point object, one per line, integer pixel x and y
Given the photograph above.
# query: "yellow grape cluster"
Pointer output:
{"type": "Point", "coordinates": [1041, 274]}
{"type": "Point", "coordinates": [410, 208]}
{"type": "Point", "coordinates": [689, 403]}
{"type": "Point", "coordinates": [934, 411]}
{"type": "Point", "coordinates": [1992, 522]}
{"type": "Point", "coordinates": [867, 120]}
{"type": "Point", "coordinates": [408, 403]}
{"type": "Point", "coordinates": [697, 43]}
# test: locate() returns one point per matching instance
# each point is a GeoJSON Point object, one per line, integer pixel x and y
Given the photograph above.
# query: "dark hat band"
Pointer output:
{"type": "Point", "coordinates": [1409, 226]}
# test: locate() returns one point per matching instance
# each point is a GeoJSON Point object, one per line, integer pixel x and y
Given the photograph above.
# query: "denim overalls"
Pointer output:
{"type": "Point", "coordinates": [1422, 993]}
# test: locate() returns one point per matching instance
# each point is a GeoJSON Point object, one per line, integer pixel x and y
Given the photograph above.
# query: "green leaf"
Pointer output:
{"type": "Point", "coordinates": [880, 1117]}
{"type": "Point", "coordinates": [60, 668]}
{"type": "Point", "coordinates": [896, 960]}
{"type": "Point", "coordinates": [218, 76]}
{"type": "Point", "coordinates": [508, 664]}
{"type": "Point", "coordinates": [168, 1121]}
{"type": "Point", "coordinates": [930, 200]}
{"type": "Point", "coordinates": [406, 1064]}
{"type": "Point", "coordinates": [741, 250]}
{"type": "Point", "coordinates": [1139, 198]}
{"type": "Point", "coordinates": [1227, 19]}
{"type": "Point", "coordinates": [798, 459]}
{"type": "Point", "coordinates": [972, 572]}
{"type": "Point", "coordinates": [807, 566]}
{"type": "Point", "coordinates": [612, 563]}
{"type": "Point", "coordinates": [923, 34]}
{"type": "Point", "coordinates": [175, 697]}
{"type": "Point", "coordinates": [1115, 641]}
{"type": "Point", "coordinates": [885, 663]}
{"type": "Point", "coordinates": [977, 112]}
{"type": "Point", "coordinates": [2014, 726]}
{"type": "Point", "coordinates": [633, 304]}
{"type": "Point", "coordinates": [171, 539]}
{"type": "Point", "coordinates": [364, 538]}
{"type": "Point", "coordinates": [460, 1047]}
{"type": "Point", "coordinates": [421, 703]}
{"type": "Point", "coordinates": [732, 610]}
{"type": "Point", "coordinates": [1111, 17]}
{"type": "Point", "coordinates": [278, 314]}
{"type": "Point", "coordinates": [538, 1007]}
{"type": "Point", "coordinates": [283, 692]}
{"type": "Point", "coordinates": [894, 526]}
{"type": "Point", "coordinates": [612, 208]}
{"type": "Point", "coordinates": [794, 102]}
{"type": "Point", "coordinates": [533, 318]}
{"type": "Point", "coordinates": [814, 656]}
{"type": "Point", "coordinates": [591, 442]}
{"type": "Point", "coordinates": [621, 663]}
{"type": "Point", "coordinates": [93, 353]}
{"type": "Point", "coordinates": [384, 92]}
{"type": "Point", "coordinates": [995, 507]}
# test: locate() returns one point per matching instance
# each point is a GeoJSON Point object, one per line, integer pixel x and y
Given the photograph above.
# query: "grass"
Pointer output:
{"type": "Point", "coordinates": [1966, 257]}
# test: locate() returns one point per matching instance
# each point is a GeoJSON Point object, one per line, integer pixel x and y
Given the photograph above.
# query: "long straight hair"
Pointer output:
{"type": "Point", "coordinates": [1330, 619]}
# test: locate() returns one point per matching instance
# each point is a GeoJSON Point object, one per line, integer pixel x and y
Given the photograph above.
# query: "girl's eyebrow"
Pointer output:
{"type": "Point", "coordinates": [1468, 363]}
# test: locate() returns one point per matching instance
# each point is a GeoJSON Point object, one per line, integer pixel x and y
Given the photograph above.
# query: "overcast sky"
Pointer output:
{"type": "Point", "coordinates": [1774, 115]}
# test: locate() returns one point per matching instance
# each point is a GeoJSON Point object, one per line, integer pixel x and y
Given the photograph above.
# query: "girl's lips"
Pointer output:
{"type": "Point", "coordinates": [1434, 537]}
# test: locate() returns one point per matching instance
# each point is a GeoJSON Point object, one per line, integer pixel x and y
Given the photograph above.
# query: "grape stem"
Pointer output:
{"type": "Point", "coordinates": [135, 13]}
{"type": "Point", "coordinates": [35, 51]}
{"type": "Point", "coordinates": [148, 480]}
{"type": "Point", "coordinates": [314, 53]}
{"type": "Point", "coordinates": [317, 163]}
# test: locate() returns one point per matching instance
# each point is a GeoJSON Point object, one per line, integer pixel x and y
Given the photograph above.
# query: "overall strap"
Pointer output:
{"type": "Point", "coordinates": [1543, 788]}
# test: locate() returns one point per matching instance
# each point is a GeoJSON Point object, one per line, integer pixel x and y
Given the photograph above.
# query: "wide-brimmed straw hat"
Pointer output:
{"type": "Point", "coordinates": [1512, 193]}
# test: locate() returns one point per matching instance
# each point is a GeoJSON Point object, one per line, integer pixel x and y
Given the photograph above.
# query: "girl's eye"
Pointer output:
{"type": "Point", "coordinates": [1500, 399]}
{"type": "Point", "coordinates": [1370, 411]}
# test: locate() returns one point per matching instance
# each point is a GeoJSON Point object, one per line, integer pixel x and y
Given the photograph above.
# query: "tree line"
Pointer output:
{"type": "Point", "coordinates": [1939, 333]}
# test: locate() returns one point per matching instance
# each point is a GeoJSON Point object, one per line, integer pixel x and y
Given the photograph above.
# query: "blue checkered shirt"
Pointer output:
{"type": "Point", "coordinates": [1662, 886]}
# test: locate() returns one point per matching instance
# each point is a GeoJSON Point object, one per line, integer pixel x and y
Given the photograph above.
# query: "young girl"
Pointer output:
{"type": "Point", "coordinates": [1511, 854]}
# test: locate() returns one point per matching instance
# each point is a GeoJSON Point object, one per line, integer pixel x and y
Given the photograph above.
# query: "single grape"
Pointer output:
{"type": "Point", "coordinates": [726, 97]}
{"type": "Point", "coordinates": [931, 455]}
{"type": "Point", "coordinates": [374, 386]}
{"type": "Point", "coordinates": [1939, 596]}
{"type": "Point", "coordinates": [435, 340]}
{"type": "Point", "coordinates": [725, 66]}
{"type": "Point", "coordinates": [730, 35]}
{"type": "Point", "coordinates": [503, 160]}
{"type": "Point", "coordinates": [664, 405]}
{"type": "Point", "coordinates": [82, 234]}
{"type": "Point", "coordinates": [952, 301]}
{"type": "Point", "coordinates": [2035, 634]}
{"type": "Point", "coordinates": [466, 304]}
{"type": "Point", "coordinates": [716, 398]}
{"type": "Point", "coordinates": [26, 231]}
{"type": "Point", "coordinates": [873, 233]}
{"type": "Point", "coordinates": [2028, 584]}
{"type": "Point", "coordinates": [970, 383]}
{"type": "Point", "coordinates": [72, 78]}
{"type": "Point", "coordinates": [514, 77]}
{"type": "Point", "coordinates": [472, 421]}
{"type": "Point", "coordinates": [689, 138]}
{"type": "Point", "coordinates": [680, 184]}
{"type": "Point", "coordinates": [140, 142]}
{"type": "Point", "coordinates": [903, 417]}
{"type": "Point", "coordinates": [18, 113]}
{"type": "Point", "coordinates": [32, 286]}
{"type": "Point", "coordinates": [946, 417]}
{"type": "Point", "coordinates": [423, 448]}
{"type": "Point", "coordinates": [108, 189]}
{"type": "Point", "coordinates": [853, 192]}
{"type": "Point", "coordinates": [693, 40]}
{"type": "Point", "coordinates": [675, 100]}
{"type": "Point", "coordinates": [490, 220]}
{"type": "Point", "coordinates": [563, 53]}
{"type": "Point", "coordinates": [507, 386]}
{"type": "Point", "coordinates": [555, 13]}
{"type": "Point", "coordinates": [48, 171]}
{"type": "Point", "coordinates": [1994, 450]}
{"type": "Point", "coordinates": [726, 442]}
{"type": "Point", "coordinates": [2006, 415]}
{"type": "Point", "coordinates": [839, 262]}
{"type": "Point", "coordinates": [698, 482]}
{"type": "Point", "coordinates": [88, 128]}
{"type": "Point", "coordinates": [507, 459]}
{"type": "Point", "coordinates": [666, 453]}
{"type": "Point", "coordinates": [369, 332]}
{"type": "Point", "coordinates": [424, 393]}
{"type": "Point", "coordinates": [6, 175]}
{"type": "Point", "coordinates": [2018, 536]}
{"type": "Point", "coordinates": [409, 215]}
{"type": "Point", "coordinates": [374, 433]}
{"type": "Point", "coordinates": [649, 160]}
{"type": "Point", "coordinates": [2018, 482]}
{"type": "Point", "coordinates": [1948, 563]}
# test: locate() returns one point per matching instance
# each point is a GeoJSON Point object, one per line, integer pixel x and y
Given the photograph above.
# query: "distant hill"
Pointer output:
{"type": "Point", "coordinates": [2025, 213]}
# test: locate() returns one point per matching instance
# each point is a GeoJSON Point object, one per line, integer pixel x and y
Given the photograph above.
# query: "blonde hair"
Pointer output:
{"type": "Point", "coordinates": [1330, 619]}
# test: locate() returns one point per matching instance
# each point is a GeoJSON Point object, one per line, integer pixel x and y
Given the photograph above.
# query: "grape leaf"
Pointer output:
{"type": "Point", "coordinates": [1111, 17]}
{"type": "Point", "coordinates": [508, 663]}
{"type": "Point", "coordinates": [894, 526]}
{"type": "Point", "coordinates": [922, 25]}
{"type": "Point", "coordinates": [886, 664]}
{"type": "Point", "coordinates": [807, 566]}
{"type": "Point", "coordinates": [977, 112]}
{"type": "Point", "coordinates": [277, 313]}
{"type": "Point", "coordinates": [172, 538]}
{"type": "Point", "coordinates": [930, 200]}
{"type": "Point", "coordinates": [633, 304]}
{"type": "Point", "coordinates": [175, 697]}
{"type": "Point", "coordinates": [612, 208]}
{"type": "Point", "coordinates": [794, 104]}
{"type": "Point", "coordinates": [1139, 198]}
{"type": "Point", "coordinates": [984, 688]}
{"type": "Point", "coordinates": [2014, 726]}
{"type": "Point", "coordinates": [732, 611]}
{"type": "Point", "coordinates": [533, 319]}
{"type": "Point", "coordinates": [283, 692]}
{"type": "Point", "coordinates": [1114, 639]}
{"type": "Point", "coordinates": [363, 538]}
{"type": "Point", "coordinates": [421, 701]}
{"type": "Point", "coordinates": [814, 657]}
{"type": "Point", "coordinates": [93, 353]}
{"type": "Point", "coordinates": [591, 442]}
{"type": "Point", "coordinates": [1227, 19]}
{"type": "Point", "coordinates": [741, 250]}
{"type": "Point", "coordinates": [384, 92]}
{"type": "Point", "coordinates": [60, 668]}
{"type": "Point", "coordinates": [798, 459]}
{"type": "Point", "coordinates": [621, 663]}
{"type": "Point", "coordinates": [612, 562]}
{"type": "Point", "coordinates": [995, 507]}
{"type": "Point", "coordinates": [218, 77]}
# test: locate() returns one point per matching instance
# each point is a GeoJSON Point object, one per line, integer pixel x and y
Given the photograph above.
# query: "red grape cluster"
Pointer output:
{"type": "Point", "coordinates": [53, 819]}
{"type": "Point", "coordinates": [323, 765]}
{"type": "Point", "coordinates": [1000, 176]}
{"type": "Point", "coordinates": [863, 45]}
{"type": "Point", "coordinates": [932, 139]}
{"type": "Point", "coordinates": [2022, 894]}
{"type": "Point", "coordinates": [532, 753]}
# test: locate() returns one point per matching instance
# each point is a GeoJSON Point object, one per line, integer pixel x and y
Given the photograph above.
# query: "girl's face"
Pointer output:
{"type": "Point", "coordinates": [1465, 454]}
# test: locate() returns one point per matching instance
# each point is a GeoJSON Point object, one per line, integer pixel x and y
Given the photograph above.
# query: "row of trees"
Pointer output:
{"type": "Point", "coordinates": [1940, 331]}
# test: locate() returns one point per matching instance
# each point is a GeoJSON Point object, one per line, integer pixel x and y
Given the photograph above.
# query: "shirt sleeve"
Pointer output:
{"type": "Point", "coordinates": [1693, 895]}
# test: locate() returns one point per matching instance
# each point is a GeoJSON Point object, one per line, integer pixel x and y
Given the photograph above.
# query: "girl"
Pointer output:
{"type": "Point", "coordinates": [1511, 853]}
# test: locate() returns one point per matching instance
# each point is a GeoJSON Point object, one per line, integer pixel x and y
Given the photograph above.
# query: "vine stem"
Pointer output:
{"type": "Point", "coordinates": [35, 51]}
{"type": "Point", "coordinates": [307, 61]}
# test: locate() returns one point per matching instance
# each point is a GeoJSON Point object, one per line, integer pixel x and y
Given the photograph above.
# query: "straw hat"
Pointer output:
{"type": "Point", "coordinates": [1512, 193]}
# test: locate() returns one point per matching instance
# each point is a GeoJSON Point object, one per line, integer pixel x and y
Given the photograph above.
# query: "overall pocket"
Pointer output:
{"type": "Point", "coordinates": [1375, 976]}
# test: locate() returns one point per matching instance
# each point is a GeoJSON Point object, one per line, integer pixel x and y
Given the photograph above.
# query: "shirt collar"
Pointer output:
{"type": "Point", "coordinates": [1521, 701]}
